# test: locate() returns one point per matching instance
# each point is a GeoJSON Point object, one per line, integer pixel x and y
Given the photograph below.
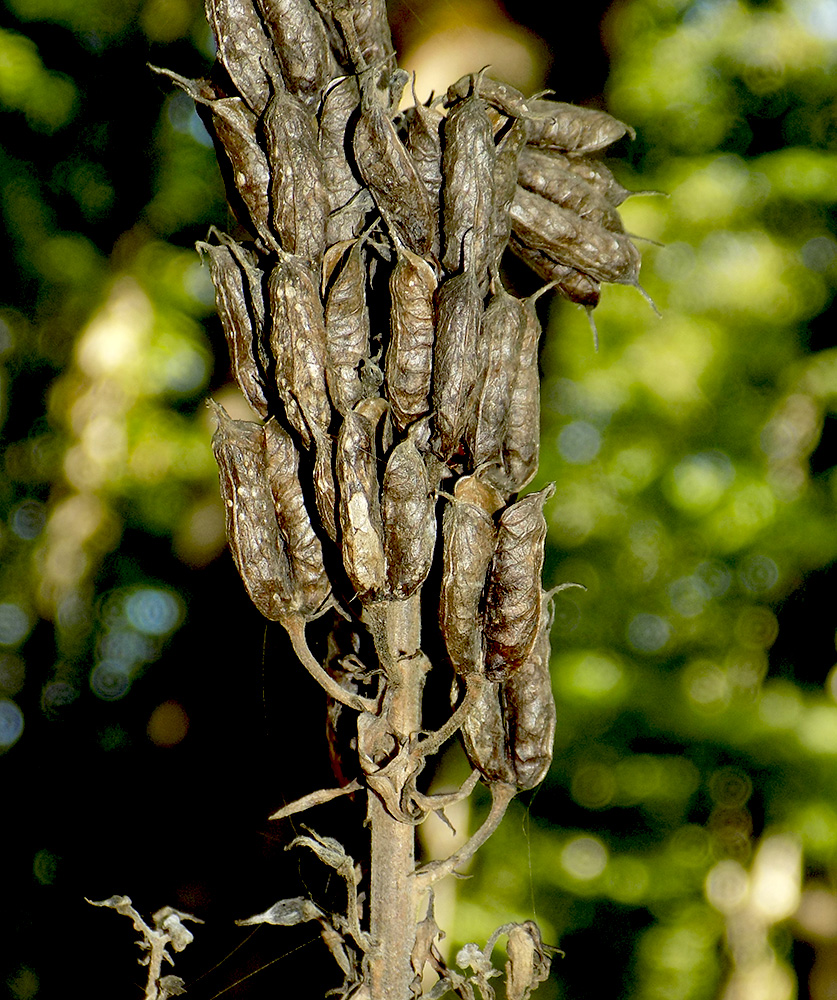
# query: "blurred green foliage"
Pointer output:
{"type": "Point", "coordinates": [694, 789]}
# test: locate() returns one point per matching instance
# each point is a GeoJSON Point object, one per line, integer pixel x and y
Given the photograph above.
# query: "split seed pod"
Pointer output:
{"type": "Point", "coordinates": [469, 538]}
{"type": "Point", "coordinates": [298, 342]}
{"type": "Point", "coordinates": [301, 43]}
{"type": "Point", "coordinates": [407, 506]}
{"type": "Point", "coordinates": [501, 96]}
{"type": "Point", "coordinates": [359, 505]}
{"type": "Point", "coordinates": [409, 356]}
{"type": "Point", "coordinates": [257, 547]}
{"type": "Point", "coordinates": [346, 323]}
{"type": "Point", "coordinates": [311, 587]}
{"type": "Point", "coordinates": [572, 129]}
{"type": "Point", "coordinates": [513, 593]}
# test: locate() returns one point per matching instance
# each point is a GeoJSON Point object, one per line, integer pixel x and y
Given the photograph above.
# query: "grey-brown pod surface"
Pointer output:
{"type": "Point", "coordinates": [468, 186]}
{"type": "Point", "coordinates": [325, 484]}
{"type": "Point", "coordinates": [407, 507]}
{"type": "Point", "coordinates": [244, 49]}
{"type": "Point", "coordinates": [502, 96]}
{"type": "Point", "coordinates": [359, 506]}
{"type": "Point", "coordinates": [509, 149]}
{"type": "Point", "coordinates": [346, 322]}
{"type": "Point", "coordinates": [388, 171]}
{"type": "Point", "coordinates": [298, 201]}
{"type": "Point", "coordinates": [468, 540]}
{"type": "Point", "coordinates": [573, 284]}
{"type": "Point", "coordinates": [484, 737]}
{"type": "Point", "coordinates": [424, 144]}
{"type": "Point", "coordinates": [529, 711]}
{"type": "Point", "coordinates": [542, 225]}
{"type": "Point", "coordinates": [513, 593]}
{"type": "Point", "coordinates": [409, 355]}
{"type": "Point", "coordinates": [542, 173]}
{"type": "Point", "coordinates": [301, 43]}
{"type": "Point", "coordinates": [597, 175]}
{"type": "Point", "coordinates": [572, 129]}
{"type": "Point", "coordinates": [298, 342]}
{"type": "Point", "coordinates": [458, 315]}
{"type": "Point", "coordinates": [238, 319]}
{"type": "Point", "coordinates": [369, 39]}
{"type": "Point", "coordinates": [311, 586]}
{"type": "Point", "coordinates": [252, 530]}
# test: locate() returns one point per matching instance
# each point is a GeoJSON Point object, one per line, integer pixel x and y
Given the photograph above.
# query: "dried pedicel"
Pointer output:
{"type": "Point", "coordinates": [407, 506]}
{"type": "Point", "coordinates": [311, 587]}
{"type": "Point", "coordinates": [252, 530]}
{"type": "Point", "coordinates": [298, 201]}
{"type": "Point", "coordinates": [359, 505]}
{"type": "Point", "coordinates": [468, 540]}
{"type": "Point", "coordinates": [298, 343]}
{"type": "Point", "coordinates": [301, 43]}
{"type": "Point", "coordinates": [572, 129]}
{"type": "Point", "coordinates": [346, 323]}
{"type": "Point", "coordinates": [513, 593]}
{"type": "Point", "coordinates": [239, 320]}
{"type": "Point", "coordinates": [244, 49]}
{"type": "Point", "coordinates": [409, 356]}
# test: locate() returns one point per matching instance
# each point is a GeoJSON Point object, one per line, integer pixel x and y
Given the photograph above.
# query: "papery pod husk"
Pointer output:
{"type": "Point", "coordinates": [369, 40]}
{"type": "Point", "coordinates": [458, 315]}
{"type": "Point", "coordinates": [256, 545]}
{"type": "Point", "coordinates": [424, 144]}
{"type": "Point", "coordinates": [597, 175]}
{"type": "Point", "coordinates": [566, 237]}
{"type": "Point", "coordinates": [529, 710]}
{"type": "Point", "coordinates": [361, 527]}
{"type": "Point", "coordinates": [573, 284]}
{"type": "Point", "coordinates": [484, 737]}
{"type": "Point", "coordinates": [468, 156]}
{"type": "Point", "coordinates": [569, 128]}
{"type": "Point", "coordinates": [513, 593]}
{"type": "Point", "coordinates": [302, 47]}
{"type": "Point", "coordinates": [409, 520]}
{"type": "Point", "coordinates": [298, 343]}
{"type": "Point", "coordinates": [325, 485]}
{"type": "Point", "coordinates": [469, 536]}
{"type": "Point", "coordinates": [297, 196]}
{"type": "Point", "coordinates": [239, 320]}
{"type": "Point", "coordinates": [543, 174]}
{"type": "Point", "coordinates": [409, 355]}
{"type": "Point", "coordinates": [346, 323]}
{"type": "Point", "coordinates": [311, 586]}
{"type": "Point", "coordinates": [509, 149]}
{"type": "Point", "coordinates": [388, 171]}
{"type": "Point", "coordinates": [244, 50]}
{"type": "Point", "coordinates": [502, 96]}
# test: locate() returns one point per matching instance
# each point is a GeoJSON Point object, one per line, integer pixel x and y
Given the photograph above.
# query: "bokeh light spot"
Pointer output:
{"type": "Point", "coordinates": [758, 573]}
{"type": "Point", "coordinates": [14, 624]}
{"type": "Point", "coordinates": [28, 519]}
{"type": "Point", "coordinates": [153, 611]}
{"type": "Point", "coordinates": [168, 724]}
{"type": "Point", "coordinates": [698, 482]}
{"type": "Point", "coordinates": [45, 866]}
{"type": "Point", "coordinates": [727, 885]}
{"type": "Point", "coordinates": [584, 858]}
{"type": "Point", "coordinates": [579, 442]}
{"type": "Point", "coordinates": [11, 723]}
{"type": "Point", "coordinates": [648, 633]}
{"type": "Point", "coordinates": [110, 681]}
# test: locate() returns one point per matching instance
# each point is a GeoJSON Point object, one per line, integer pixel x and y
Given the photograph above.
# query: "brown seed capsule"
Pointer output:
{"type": "Point", "coordinates": [407, 506]}
{"type": "Point", "coordinates": [297, 197]}
{"type": "Point", "coordinates": [347, 322]}
{"type": "Point", "coordinates": [539, 172]}
{"type": "Point", "coordinates": [513, 592]}
{"type": "Point", "coordinates": [505, 182]}
{"type": "Point", "coordinates": [298, 343]}
{"type": "Point", "coordinates": [311, 586]}
{"type": "Point", "coordinates": [359, 506]}
{"type": "Point", "coordinates": [424, 144]}
{"type": "Point", "coordinates": [388, 171]}
{"type": "Point", "coordinates": [469, 536]}
{"type": "Point", "coordinates": [572, 129]}
{"type": "Point", "coordinates": [252, 530]}
{"type": "Point", "coordinates": [409, 356]}
{"type": "Point", "coordinates": [468, 193]}
{"type": "Point", "coordinates": [484, 737]}
{"type": "Point", "coordinates": [566, 237]}
{"type": "Point", "coordinates": [367, 31]}
{"type": "Point", "coordinates": [301, 43]}
{"type": "Point", "coordinates": [529, 711]}
{"type": "Point", "coordinates": [597, 175]}
{"type": "Point", "coordinates": [501, 96]}
{"type": "Point", "coordinates": [239, 320]}
{"type": "Point", "coordinates": [573, 284]}
{"type": "Point", "coordinates": [325, 488]}
{"type": "Point", "coordinates": [459, 311]}
{"type": "Point", "coordinates": [244, 49]}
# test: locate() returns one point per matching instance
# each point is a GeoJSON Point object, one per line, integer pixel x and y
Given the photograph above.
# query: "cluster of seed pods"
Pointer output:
{"type": "Point", "coordinates": [394, 377]}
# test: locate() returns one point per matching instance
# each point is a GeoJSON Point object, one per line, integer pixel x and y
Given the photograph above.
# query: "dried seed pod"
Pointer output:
{"type": "Point", "coordinates": [298, 343]}
{"type": "Point", "coordinates": [484, 737]}
{"type": "Point", "coordinates": [469, 537]}
{"type": "Point", "coordinates": [325, 487]}
{"type": "Point", "coordinates": [346, 323]}
{"type": "Point", "coordinates": [388, 171]}
{"type": "Point", "coordinates": [572, 129]}
{"type": "Point", "coordinates": [366, 29]}
{"type": "Point", "coordinates": [501, 96]}
{"type": "Point", "coordinates": [311, 587]}
{"type": "Point", "coordinates": [503, 327]}
{"type": "Point", "coordinates": [566, 237]}
{"type": "Point", "coordinates": [458, 311]}
{"type": "Point", "coordinates": [424, 144]}
{"type": "Point", "coordinates": [597, 175]}
{"type": "Point", "coordinates": [509, 149]}
{"type": "Point", "coordinates": [301, 43]}
{"type": "Point", "coordinates": [542, 173]}
{"type": "Point", "coordinates": [574, 285]}
{"type": "Point", "coordinates": [244, 49]}
{"type": "Point", "coordinates": [297, 197]}
{"type": "Point", "coordinates": [407, 506]}
{"type": "Point", "coordinates": [513, 592]}
{"type": "Point", "coordinates": [240, 318]}
{"type": "Point", "coordinates": [359, 506]}
{"type": "Point", "coordinates": [468, 192]}
{"type": "Point", "coordinates": [252, 530]}
{"type": "Point", "coordinates": [529, 711]}
{"type": "Point", "coordinates": [409, 356]}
